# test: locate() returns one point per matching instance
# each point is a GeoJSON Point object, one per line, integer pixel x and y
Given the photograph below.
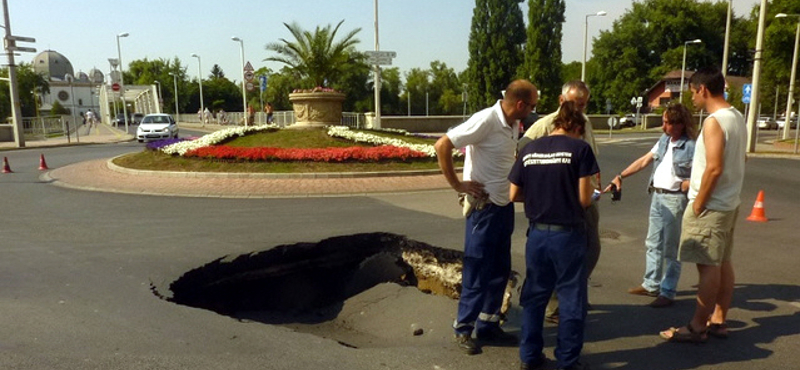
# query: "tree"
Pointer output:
{"type": "Point", "coordinates": [216, 72]}
{"type": "Point", "coordinates": [648, 41]}
{"type": "Point", "coordinates": [147, 72]}
{"type": "Point", "coordinates": [318, 57]}
{"type": "Point", "coordinates": [495, 42]}
{"type": "Point", "coordinates": [542, 63]}
{"type": "Point", "coordinates": [28, 81]}
{"type": "Point", "coordinates": [417, 84]}
{"type": "Point", "coordinates": [779, 38]}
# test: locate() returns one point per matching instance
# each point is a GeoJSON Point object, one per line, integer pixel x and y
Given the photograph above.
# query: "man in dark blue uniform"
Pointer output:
{"type": "Point", "coordinates": [552, 175]}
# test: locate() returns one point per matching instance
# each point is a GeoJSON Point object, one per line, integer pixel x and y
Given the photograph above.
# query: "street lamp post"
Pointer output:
{"type": "Point", "coordinates": [586, 40]}
{"type": "Point", "coordinates": [408, 93]}
{"type": "Point", "coordinates": [122, 80]}
{"type": "Point", "coordinates": [244, 93]}
{"type": "Point", "coordinates": [69, 79]}
{"type": "Point", "coordinates": [727, 40]}
{"type": "Point", "coordinates": [683, 66]}
{"type": "Point", "coordinates": [792, 74]}
{"type": "Point", "coordinates": [160, 97]}
{"type": "Point", "coordinates": [175, 82]}
{"type": "Point", "coordinates": [200, 81]}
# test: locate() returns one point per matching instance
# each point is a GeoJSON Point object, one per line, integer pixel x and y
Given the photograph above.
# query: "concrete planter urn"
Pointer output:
{"type": "Point", "coordinates": [317, 108]}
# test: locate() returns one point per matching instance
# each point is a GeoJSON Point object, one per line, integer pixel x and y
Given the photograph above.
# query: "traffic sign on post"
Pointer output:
{"type": "Point", "coordinates": [263, 80]}
{"type": "Point", "coordinates": [381, 58]}
{"type": "Point", "coordinates": [115, 86]}
{"type": "Point", "coordinates": [747, 92]}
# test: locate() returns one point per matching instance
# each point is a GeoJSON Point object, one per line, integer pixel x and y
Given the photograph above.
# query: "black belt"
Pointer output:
{"type": "Point", "coordinates": [665, 191]}
{"type": "Point", "coordinates": [551, 227]}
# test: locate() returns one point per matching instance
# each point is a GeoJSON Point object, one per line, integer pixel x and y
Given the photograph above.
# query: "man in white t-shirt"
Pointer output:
{"type": "Point", "coordinates": [490, 139]}
{"type": "Point", "coordinates": [669, 182]}
{"type": "Point", "coordinates": [714, 189]}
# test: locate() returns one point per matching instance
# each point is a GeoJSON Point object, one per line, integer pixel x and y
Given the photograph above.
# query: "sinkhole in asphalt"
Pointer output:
{"type": "Point", "coordinates": [307, 279]}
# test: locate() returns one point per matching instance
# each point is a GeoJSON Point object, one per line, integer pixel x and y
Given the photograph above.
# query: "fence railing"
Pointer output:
{"type": "Point", "coordinates": [280, 118]}
{"type": "Point", "coordinates": [45, 127]}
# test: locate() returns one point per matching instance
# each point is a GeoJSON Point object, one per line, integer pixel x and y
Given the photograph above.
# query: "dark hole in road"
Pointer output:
{"type": "Point", "coordinates": [310, 279]}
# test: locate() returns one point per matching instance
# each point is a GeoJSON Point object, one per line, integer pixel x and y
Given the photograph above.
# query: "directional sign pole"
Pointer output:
{"type": "Point", "coordinates": [16, 113]}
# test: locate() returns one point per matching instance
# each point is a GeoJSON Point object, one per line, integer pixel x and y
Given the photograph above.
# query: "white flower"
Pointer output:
{"type": "Point", "coordinates": [345, 133]}
{"type": "Point", "coordinates": [213, 138]}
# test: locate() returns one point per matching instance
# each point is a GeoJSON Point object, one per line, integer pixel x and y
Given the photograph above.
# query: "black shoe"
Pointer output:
{"type": "Point", "coordinates": [466, 344]}
{"type": "Point", "coordinates": [576, 366]}
{"type": "Point", "coordinates": [497, 336]}
{"type": "Point", "coordinates": [535, 365]}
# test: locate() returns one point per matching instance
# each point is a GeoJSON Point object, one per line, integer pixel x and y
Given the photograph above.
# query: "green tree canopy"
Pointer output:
{"type": "Point", "coordinates": [316, 56]}
{"type": "Point", "coordinates": [542, 62]}
{"type": "Point", "coordinates": [495, 42]}
{"type": "Point", "coordinates": [28, 82]}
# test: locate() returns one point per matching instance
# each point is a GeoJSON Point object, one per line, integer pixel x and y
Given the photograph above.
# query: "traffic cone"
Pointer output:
{"type": "Point", "coordinates": [758, 209]}
{"type": "Point", "coordinates": [6, 168]}
{"type": "Point", "coordinates": [42, 163]}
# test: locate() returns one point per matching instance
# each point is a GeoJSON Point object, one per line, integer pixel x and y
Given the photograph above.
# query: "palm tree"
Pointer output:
{"type": "Point", "coordinates": [317, 56]}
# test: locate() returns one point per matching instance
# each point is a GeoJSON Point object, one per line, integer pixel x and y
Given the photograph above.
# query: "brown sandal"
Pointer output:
{"type": "Point", "coordinates": [684, 335]}
{"type": "Point", "coordinates": [718, 330]}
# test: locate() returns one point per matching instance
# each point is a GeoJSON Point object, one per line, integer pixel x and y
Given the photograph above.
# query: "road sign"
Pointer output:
{"type": "Point", "coordinates": [22, 49]}
{"type": "Point", "coordinates": [747, 92]}
{"type": "Point", "coordinates": [248, 75]}
{"type": "Point", "coordinates": [21, 38]}
{"type": "Point", "coordinates": [381, 54]}
{"type": "Point", "coordinates": [249, 86]}
{"type": "Point", "coordinates": [248, 67]}
{"type": "Point", "coordinates": [263, 80]}
{"type": "Point", "coordinates": [612, 122]}
{"type": "Point", "coordinates": [115, 87]}
{"type": "Point", "coordinates": [379, 61]}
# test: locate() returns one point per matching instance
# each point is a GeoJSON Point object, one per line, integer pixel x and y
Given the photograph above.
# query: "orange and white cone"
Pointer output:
{"type": "Point", "coordinates": [758, 209]}
{"type": "Point", "coordinates": [6, 168]}
{"type": "Point", "coordinates": [42, 163]}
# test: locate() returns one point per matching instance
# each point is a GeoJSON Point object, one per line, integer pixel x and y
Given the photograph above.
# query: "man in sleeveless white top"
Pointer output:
{"type": "Point", "coordinates": [715, 185]}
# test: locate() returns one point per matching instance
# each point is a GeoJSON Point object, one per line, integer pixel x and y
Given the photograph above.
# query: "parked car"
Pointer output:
{"type": "Point", "coordinates": [630, 120]}
{"type": "Point", "coordinates": [136, 118]}
{"type": "Point", "coordinates": [155, 127]}
{"type": "Point", "coordinates": [766, 123]}
{"type": "Point", "coordinates": [782, 122]}
{"type": "Point", "coordinates": [119, 120]}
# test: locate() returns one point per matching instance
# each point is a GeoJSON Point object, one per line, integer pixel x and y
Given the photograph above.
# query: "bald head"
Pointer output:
{"type": "Point", "coordinates": [520, 99]}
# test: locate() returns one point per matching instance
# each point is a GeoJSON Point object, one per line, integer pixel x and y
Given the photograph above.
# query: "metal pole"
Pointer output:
{"type": "Point", "coordinates": [796, 128]}
{"type": "Point", "coordinates": [409, 103]}
{"type": "Point", "coordinates": [586, 40]}
{"type": "Point", "coordinates": [426, 103]}
{"type": "Point", "coordinates": [160, 96]}
{"type": "Point", "coordinates": [200, 81]}
{"type": "Point", "coordinates": [683, 66]}
{"type": "Point", "coordinates": [377, 123]}
{"type": "Point", "coordinates": [121, 82]}
{"type": "Point", "coordinates": [792, 76]}
{"type": "Point", "coordinates": [244, 92]}
{"type": "Point", "coordinates": [755, 97]}
{"type": "Point", "coordinates": [16, 114]}
{"type": "Point", "coordinates": [175, 82]}
{"type": "Point", "coordinates": [727, 40]}
{"type": "Point", "coordinates": [69, 79]}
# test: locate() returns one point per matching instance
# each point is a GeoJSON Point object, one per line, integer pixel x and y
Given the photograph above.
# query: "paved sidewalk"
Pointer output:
{"type": "Point", "coordinates": [100, 133]}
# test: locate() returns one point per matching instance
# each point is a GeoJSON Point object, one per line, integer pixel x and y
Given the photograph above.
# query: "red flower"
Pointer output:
{"type": "Point", "coordinates": [355, 153]}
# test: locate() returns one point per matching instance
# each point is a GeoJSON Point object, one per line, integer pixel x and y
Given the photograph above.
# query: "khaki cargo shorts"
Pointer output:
{"type": "Point", "coordinates": [707, 238]}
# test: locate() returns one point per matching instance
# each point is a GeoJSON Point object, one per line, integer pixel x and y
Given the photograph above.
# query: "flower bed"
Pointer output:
{"type": "Point", "coordinates": [362, 137]}
{"type": "Point", "coordinates": [214, 138]}
{"type": "Point", "coordinates": [361, 154]}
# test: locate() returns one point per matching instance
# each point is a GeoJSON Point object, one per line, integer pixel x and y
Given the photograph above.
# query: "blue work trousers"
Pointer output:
{"type": "Point", "coordinates": [486, 267]}
{"type": "Point", "coordinates": [554, 260]}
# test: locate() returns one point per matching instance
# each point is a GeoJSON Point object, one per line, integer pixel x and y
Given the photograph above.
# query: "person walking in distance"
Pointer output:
{"type": "Point", "coordinates": [490, 139]}
{"type": "Point", "coordinates": [552, 176]}
{"type": "Point", "coordinates": [668, 185]}
{"type": "Point", "coordinates": [708, 223]}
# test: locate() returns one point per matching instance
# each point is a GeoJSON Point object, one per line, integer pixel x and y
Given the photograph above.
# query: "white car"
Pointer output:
{"type": "Point", "coordinates": [766, 123]}
{"type": "Point", "coordinates": [782, 122]}
{"type": "Point", "coordinates": [156, 127]}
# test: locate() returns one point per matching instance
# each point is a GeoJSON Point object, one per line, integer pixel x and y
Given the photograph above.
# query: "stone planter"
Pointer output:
{"type": "Point", "coordinates": [317, 109]}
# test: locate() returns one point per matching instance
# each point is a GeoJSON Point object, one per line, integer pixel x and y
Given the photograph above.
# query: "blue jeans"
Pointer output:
{"type": "Point", "coordinates": [662, 268]}
{"type": "Point", "coordinates": [554, 260]}
{"type": "Point", "coordinates": [486, 267]}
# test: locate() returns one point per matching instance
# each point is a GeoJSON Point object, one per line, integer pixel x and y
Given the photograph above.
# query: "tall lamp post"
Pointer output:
{"type": "Point", "coordinates": [586, 40]}
{"type": "Point", "coordinates": [68, 77]}
{"type": "Point", "coordinates": [244, 93]}
{"type": "Point", "coordinates": [792, 75]}
{"type": "Point", "coordinates": [683, 66]}
{"type": "Point", "coordinates": [122, 80]}
{"type": "Point", "coordinates": [160, 96]}
{"type": "Point", "coordinates": [175, 82]}
{"type": "Point", "coordinates": [200, 81]}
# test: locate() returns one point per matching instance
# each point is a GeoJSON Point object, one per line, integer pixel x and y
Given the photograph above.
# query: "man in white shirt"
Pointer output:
{"type": "Point", "coordinates": [490, 139]}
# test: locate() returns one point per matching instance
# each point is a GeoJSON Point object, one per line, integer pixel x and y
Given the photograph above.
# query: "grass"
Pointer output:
{"type": "Point", "coordinates": [316, 138]}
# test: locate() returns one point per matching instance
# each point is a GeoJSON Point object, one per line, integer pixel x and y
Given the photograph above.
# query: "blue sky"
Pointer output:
{"type": "Point", "coordinates": [420, 31]}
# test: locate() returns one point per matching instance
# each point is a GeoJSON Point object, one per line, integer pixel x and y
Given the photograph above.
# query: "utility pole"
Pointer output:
{"type": "Point", "coordinates": [11, 47]}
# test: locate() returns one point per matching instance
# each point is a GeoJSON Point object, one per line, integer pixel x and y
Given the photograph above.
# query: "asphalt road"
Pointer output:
{"type": "Point", "coordinates": [77, 270]}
